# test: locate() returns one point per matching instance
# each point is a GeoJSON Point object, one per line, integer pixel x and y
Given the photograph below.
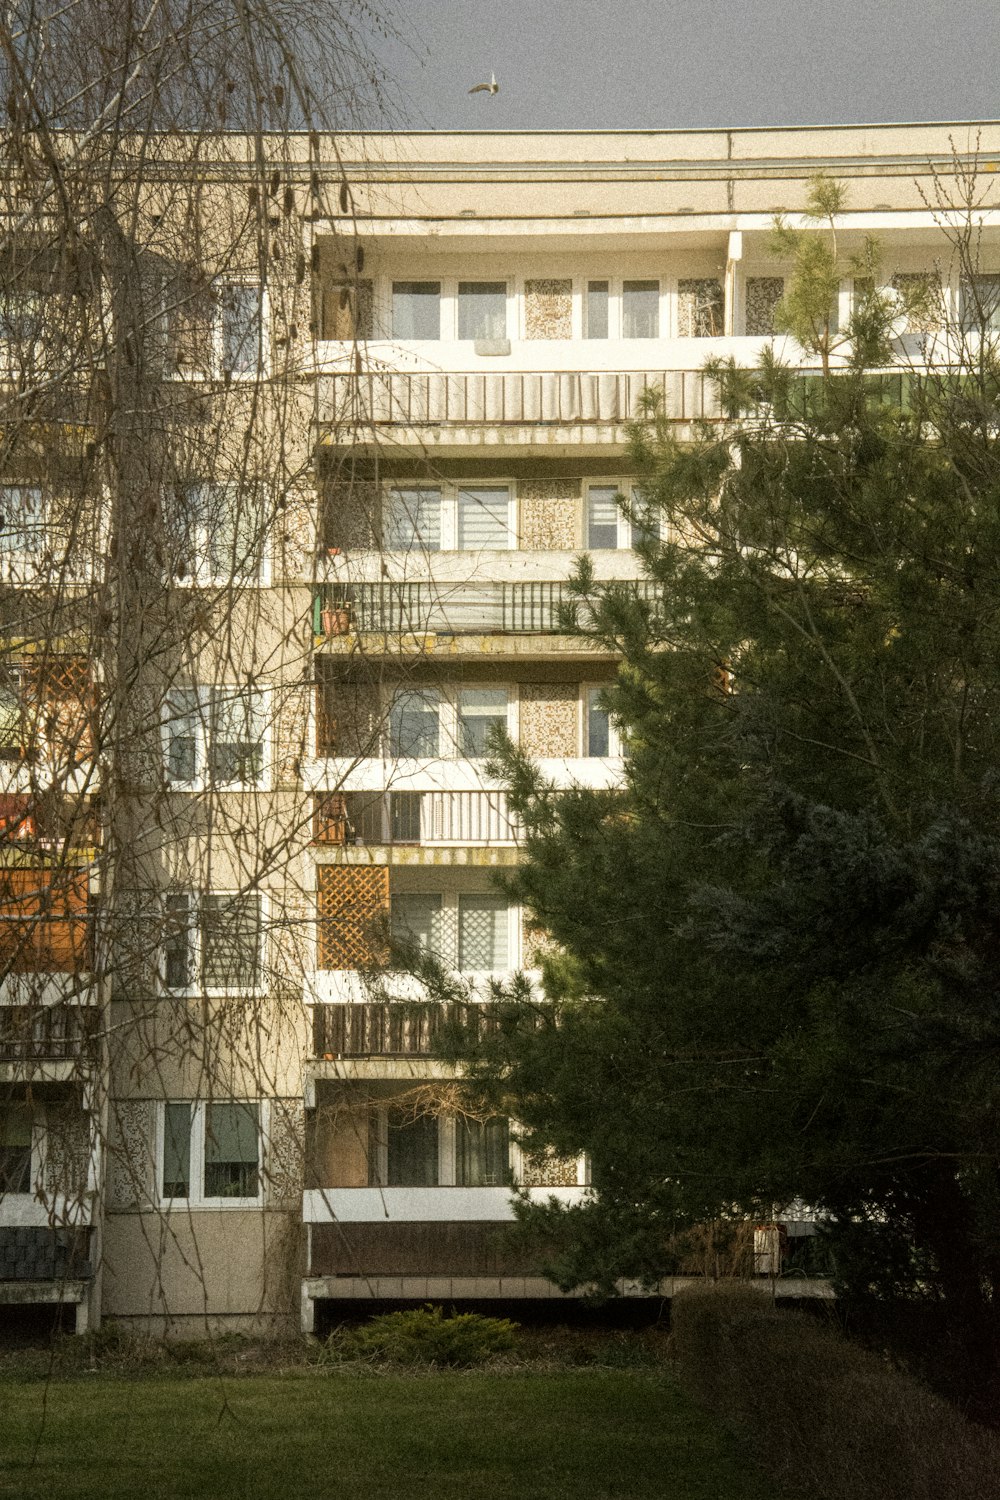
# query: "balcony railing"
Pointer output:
{"type": "Point", "coordinates": [391, 1028]}
{"type": "Point", "coordinates": [542, 608]}
{"type": "Point", "coordinates": [413, 818]}
{"type": "Point", "coordinates": [46, 1033]}
{"type": "Point", "coordinates": [561, 398]}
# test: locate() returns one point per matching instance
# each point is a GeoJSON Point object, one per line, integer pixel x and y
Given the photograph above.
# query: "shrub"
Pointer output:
{"type": "Point", "coordinates": [828, 1418]}
{"type": "Point", "coordinates": [426, 1336]}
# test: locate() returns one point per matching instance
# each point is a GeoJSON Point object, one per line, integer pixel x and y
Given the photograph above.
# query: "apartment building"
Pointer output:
{"type": "Point", "coordinates": [395, 417]}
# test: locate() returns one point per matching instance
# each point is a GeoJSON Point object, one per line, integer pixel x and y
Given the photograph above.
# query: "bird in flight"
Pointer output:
{"type": "Point", "coordinates": [487, 88]}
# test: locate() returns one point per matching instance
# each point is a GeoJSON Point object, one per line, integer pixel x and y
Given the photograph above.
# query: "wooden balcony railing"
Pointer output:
{"type": "Point", "coordinates": [47, 1033]}
{"type": "Point", "coordinates": [390, 1028]}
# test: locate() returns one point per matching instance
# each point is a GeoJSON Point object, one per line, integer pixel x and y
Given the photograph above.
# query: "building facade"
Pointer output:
{"type": "Point", "coordinates": [287, 526]}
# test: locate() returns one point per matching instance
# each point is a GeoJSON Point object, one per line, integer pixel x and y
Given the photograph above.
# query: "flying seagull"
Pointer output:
{"type": "Point", "coordinates": [487, 88]}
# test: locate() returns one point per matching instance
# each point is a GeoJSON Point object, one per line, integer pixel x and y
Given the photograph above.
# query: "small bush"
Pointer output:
{"type": "Point", "coordinates": [828, 1418]}
{"type": "Point", "coordinates": [426, 1336]}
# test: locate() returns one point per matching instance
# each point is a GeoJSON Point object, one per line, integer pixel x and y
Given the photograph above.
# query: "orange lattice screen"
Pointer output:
{"type": "Point", "coordinates": [44, 928]}
{"type": "Point", "coordinates": [352, 908]}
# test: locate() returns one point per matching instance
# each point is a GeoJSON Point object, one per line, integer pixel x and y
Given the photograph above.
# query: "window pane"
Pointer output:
{"type": "Point", "coordinates": [13, 729]}
{"type": "Point", "coordinates": [602, 518]}
{"type": "Point", "coordinates": [482, 1152]}
{"type": "Point", "coordinates": [597, 309]}
{"type": "Point", "coordinates": [232, 1145]}
{"type": "Point", "coordinates": [418, 921]}
{"type": "Point", "coordinates": [230, 942]}
{"type": "Point", "coordinates": [482, 309]}
{"type": "Point", "coordinates": [416, 309]}
{"type": "Point", "coordinates": [241, 328]}
{"type": "Point", "coordinates": [981, 304]}
{"type": "Point", "coordinates": [22, 528]}
{"type": "Point", "coordinates": [641, 310]}
{"type": "Point", "coordinates": [598, 725]}
{"type": "Point", "coordinates": [236, 743]}
{"type": "Point", "coordinates": [216, 530]}
{"type": "Point", "coordinates": [482, 932]}
{"type": "Point", "coordinates": [483, 519]}
{"type": "Point", "coordinates": [645, 525]}
{"type": "Point", "coordinates": [184, 728]}
{"type": "Point", "coordinates": [413, 1152]}
{"type": "Point", "coordinates": [15, 1149]}
{"type": "Point", "coordinates": [177, 943]}
{"type": "Point", "coordinates": [480, 711]}
{"type": "Point", "coordinates": [414, 723]}
{"type": "Point", "coordinates": [177, 1151]}
{"type": "Point", "coordinates": [701, 307]}
{"type": "Point", "coordinates": [404, 817]}
{"type": "Point", "coordinates": [413, 519]}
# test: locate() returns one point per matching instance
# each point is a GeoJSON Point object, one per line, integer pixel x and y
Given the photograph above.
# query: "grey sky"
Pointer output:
{"type": "Point", "coordinates": [582, 64]}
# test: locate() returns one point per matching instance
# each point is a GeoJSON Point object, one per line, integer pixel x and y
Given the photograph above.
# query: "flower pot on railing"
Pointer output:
{"type": "Point", "coordinates": [336, 621]}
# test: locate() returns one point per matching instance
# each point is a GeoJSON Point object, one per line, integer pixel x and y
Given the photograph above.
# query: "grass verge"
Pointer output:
{"type": "Point", "coordinates": [598, 1433]}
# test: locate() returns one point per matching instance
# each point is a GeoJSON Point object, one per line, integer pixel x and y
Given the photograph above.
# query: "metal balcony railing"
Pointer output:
{"type": "Point", "coordinates": [543, 608]}
{"type": "Point", "coordinates": [47, 1033]}
{"type": "Point", "coordinates": [413, 818]}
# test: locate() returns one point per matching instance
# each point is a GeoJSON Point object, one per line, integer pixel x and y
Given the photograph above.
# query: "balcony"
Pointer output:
{"type": "Point", "coordinates": [411, 818]}
{"type": "Point", "coordinates": [50, 1043]}
{"type": "Point", "coordinates": [436, 608]}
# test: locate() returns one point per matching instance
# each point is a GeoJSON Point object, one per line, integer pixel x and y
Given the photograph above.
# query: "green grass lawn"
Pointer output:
{"type": "Point", "coordinates": [587, 1434]}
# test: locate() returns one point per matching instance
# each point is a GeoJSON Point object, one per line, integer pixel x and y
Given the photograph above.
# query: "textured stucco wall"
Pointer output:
{"type": "Point", "coordinates": [550, 718]}
{"type": "Point", "coordinates": [550, 514]}
{"type": "Point", "coordinates": [548, 309]}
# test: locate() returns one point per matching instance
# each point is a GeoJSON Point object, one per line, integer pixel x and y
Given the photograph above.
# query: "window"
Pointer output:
{"type": "Point", "coordinates": [480, 712]}
{"type": "Point", "coordinates": [762, 295]}
{"type": "Point", "coordinates": [417, 921]}
{"type": "Point", "coordinates": [482, 309]}
{"type": "Point", "coordinates": [980, 303]}
{"type": "Point", "coordinates": [412, 1154]}
{"type": "Point", "coordinates": [15, 1149]}
{"type": "Point", "coordinates": [601, 735]}
{"type": "Point", "coordinates": [240, 329]}
{"type": "Point", "coordinates": [22, 324]}
{"type": "Point", "coordinates": [216, 531]}
{"type": "Point", "coordinates": [484, 519]}
{"type": "Point", "coordinates": [438, 1151]}
{"type": "Point", "coordinates": [212, 943]}
{"type": "Point", "coordinates": [415, 723]}
{"type": "Point", "coordinates": [602, 517]}
{"type": "Point", "coordinates": [22, 520]}
{"type": "Point", "coordinates": [412, 518]}
{"type": "Point", "coordinates": [640, 309]}
{"type": "Point", "coordinates": [483, 941]}
{"type": "Point", "coordinates": [607, 527]}
{"type": "Point", "coordinates": [15, 726]}
{"type": "Point", "coordinates": [215, 736]}
{"type": "Point", "coordinates": [482, 1152]}
{"type": "Point", "coordinates": [416, 309]}
{"type": "Point", "coordinates": [210, 1154]}
{"type": "Point", "coordinates": [597, 310]}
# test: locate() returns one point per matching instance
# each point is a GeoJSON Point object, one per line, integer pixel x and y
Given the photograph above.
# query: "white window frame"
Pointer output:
{"type": "Point", "coordinates": [201, 575]}
{"type": "Point", "coordinates": [448, 529]}
{"type": "Point", "coordinates": [615, 750]}
{"type": "Point", "coordinates": [203, 738]}
{"type": "Point", "coordinates": [19, 563]}
{"type": "Point", "coordinates": [449, 736]}
{"type": "Point", "coordinates": [214, 367]}
{"type": "Point", "coordinates": [450, 916]}
{"type": "Point", "coordinates": [625, 487]}
{"type": "Point", "coordinates": [197, 1197]}
{"type": "Point", "coordinates": [194, 936]}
